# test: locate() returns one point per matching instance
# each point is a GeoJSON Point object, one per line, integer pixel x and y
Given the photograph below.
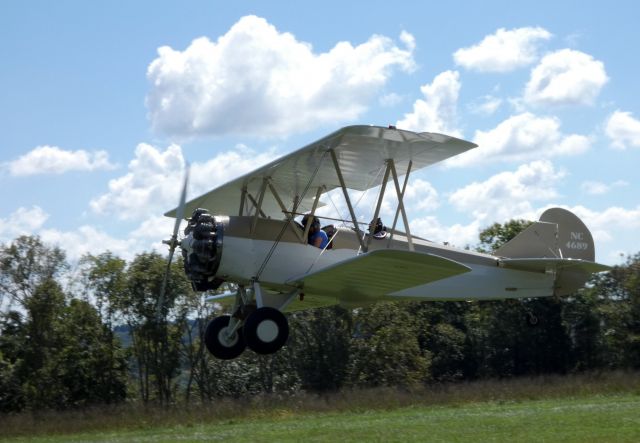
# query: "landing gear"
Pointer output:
{"type": "Point", "coordinates": [220, 343]}
{"type": "Point", "coordinates": [266, 330]}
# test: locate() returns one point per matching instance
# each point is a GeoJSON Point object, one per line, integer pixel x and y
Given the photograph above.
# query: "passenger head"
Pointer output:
{"type": "Point", "coordinates": [315, 223]}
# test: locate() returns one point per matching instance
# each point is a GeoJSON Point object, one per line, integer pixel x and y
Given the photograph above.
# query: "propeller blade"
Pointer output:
{"type": "Point", "coordinates": [173, 242]}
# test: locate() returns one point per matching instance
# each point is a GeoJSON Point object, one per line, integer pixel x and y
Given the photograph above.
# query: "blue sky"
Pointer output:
{"type": "Point", "coordinates": [102, 103]}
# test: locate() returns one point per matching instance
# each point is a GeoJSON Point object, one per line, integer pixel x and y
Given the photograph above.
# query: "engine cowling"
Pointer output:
{"type": "Point", "coordinates": [202, 250]}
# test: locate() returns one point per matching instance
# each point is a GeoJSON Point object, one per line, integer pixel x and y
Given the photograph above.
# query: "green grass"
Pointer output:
{"type": "Point", "coordinates": [614, 418]}
{"type": "Point", "coordinates": [550, 409]}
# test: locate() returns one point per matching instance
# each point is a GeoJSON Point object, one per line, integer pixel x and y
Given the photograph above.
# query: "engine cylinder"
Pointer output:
{"type": "Point", "coordinates": [202, 250]}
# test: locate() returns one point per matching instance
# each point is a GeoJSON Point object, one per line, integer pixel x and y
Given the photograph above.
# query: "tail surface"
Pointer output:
{"type": "Point", "coordinates": [558, 234]}
{"type": "Point", "coordinates": [558, 243]}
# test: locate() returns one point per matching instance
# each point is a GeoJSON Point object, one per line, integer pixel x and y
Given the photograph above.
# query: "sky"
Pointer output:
{"type": "Point", "coordinates": [103, 103]}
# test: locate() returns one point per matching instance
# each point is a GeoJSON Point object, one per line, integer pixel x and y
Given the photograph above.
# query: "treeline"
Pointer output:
{"type": "Point", "coordinates": [58, 348]}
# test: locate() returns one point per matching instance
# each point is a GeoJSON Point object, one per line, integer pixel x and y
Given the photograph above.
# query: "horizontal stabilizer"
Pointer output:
{"type": "Point", "coordinates": [570, 273]}
{"type": "Point", "coordinates": [553, 264]}
{"type": "Point", "coordinates": [378, 273]}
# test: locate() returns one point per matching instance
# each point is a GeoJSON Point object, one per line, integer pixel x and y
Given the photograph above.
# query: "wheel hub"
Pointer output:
{"type": "Point", "coordinates": [226, 339]}
{"type": "Point", "coordinates": [267, 331]}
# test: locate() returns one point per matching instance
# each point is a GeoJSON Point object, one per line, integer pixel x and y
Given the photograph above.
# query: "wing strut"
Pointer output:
{"type": "Point", "coordinates": [263, 190]}
{"type": "Point", "coordinates": [400, 208]}
{"type": "Point", "coordinates": [379, 204]}
{"type": "Point", "coordinates": [313, 211]}
{"type": "Point", "coordinates": [346, 198]}
{"type": "Point", "coordinates": [288, 215]}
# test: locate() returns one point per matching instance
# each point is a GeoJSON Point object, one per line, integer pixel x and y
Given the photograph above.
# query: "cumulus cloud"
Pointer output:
{"type": "Point", "coordinates": [257, 80]}
{"type": "Point", "coordinates": [623, 130]}
{"type": "Point", "coordinates": [53, 160]}
{"type": "Point", "coordinates": [522, 137]}
{"type": "Point", "coordinates": [600, 188]}
{"type": "Point", "coordinates": [508, 194]}
{"type": "Point", "coordinates": [153, 181]}
{"type": "Point", "coordinates": [485, 105]}
{"type": "Point", "coordinates": [458, 234]}
{"type": "Point", "coordinates": [75, 243]}
{"type": "Point", "coordinates": [437, 111]}
{"type": "Point", "coordinates": [89, 239]}
{"type": "Point", "coordinates": [503, 51]}
{"type": "Point", "coordinates": [23, 221]}
{"type": "Point", "coordinates": [565, 77]}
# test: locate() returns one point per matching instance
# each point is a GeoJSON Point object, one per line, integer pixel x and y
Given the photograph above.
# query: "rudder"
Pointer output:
{"type": "Point", "coordinates": [574, 239]}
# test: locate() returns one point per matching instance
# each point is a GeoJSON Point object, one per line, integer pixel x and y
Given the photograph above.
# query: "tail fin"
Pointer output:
{"type": "Point", "coordinates": [574, 238]}
{"type": "Point", "coordinates": [558, 234]}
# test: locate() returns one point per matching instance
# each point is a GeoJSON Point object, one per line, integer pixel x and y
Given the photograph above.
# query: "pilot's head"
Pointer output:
{"type": "Point", "coordinates": [315, 223]}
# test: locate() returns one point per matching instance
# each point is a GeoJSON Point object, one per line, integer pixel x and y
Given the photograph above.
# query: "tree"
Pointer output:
{"type": "Point", "coordinates": [385, 349]}
{"type": "Point", "coordinates": [155, 328]}
{"type": "Point", "coordinates": [320, 347]}
{"type": "Point", "coordinates": [53, 346]}
{"type": "Point", "coordinates": [509, 346]}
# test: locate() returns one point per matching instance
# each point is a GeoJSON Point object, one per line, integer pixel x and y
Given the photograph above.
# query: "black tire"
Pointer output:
{"type": "Point", "coordinates": [532, 319]}
{"type": "Point", "coordinates": [266, 330]}
{"type": "Point", "coordinates": [214, 343]}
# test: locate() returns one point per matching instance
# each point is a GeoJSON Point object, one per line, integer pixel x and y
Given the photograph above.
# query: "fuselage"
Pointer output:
{"type": "Point", "coordinates": [250, 250]}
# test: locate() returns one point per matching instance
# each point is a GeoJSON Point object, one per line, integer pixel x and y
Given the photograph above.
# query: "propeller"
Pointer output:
{"type": "Point", "coordinates": [173, 241]}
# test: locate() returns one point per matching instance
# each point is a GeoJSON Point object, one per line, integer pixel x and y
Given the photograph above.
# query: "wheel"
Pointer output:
{"type": "Point", "coordinates": [266, 330]}
{"type": "Point", "coordinates": [217, 343]}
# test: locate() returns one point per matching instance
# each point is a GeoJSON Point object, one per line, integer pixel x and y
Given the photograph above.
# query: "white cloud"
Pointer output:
{"type": "Point", "coordinates": [438, 111]}
{"type": "Point", "coordinates": [623, 130]}
{"type": "Point", "coordinates": [23, 221]}
{"type": "Point", "coordinates": [565, 77]}
{"type": "Point", "coordinates": [153, 182]}
{"type": "Point", "coordinates": [486, 105]}
{"type": "Point", "coordinates": [88, 239]}
{"type": "Point", "coordinates": [508, 194]}
{"type": "Point", "coordinates": [458, 235]}
{"type": "Point", "coordinates": [522, 137]}
{"type": "Point", "coordinates": [53, 160]}
{"type": "Point", "coordinates": [503, 51]}
{"type": "Point", "coordinates": [257, 80]}
{"type": "Point", "coordinates": [600, 188]}
{"type": "Point", "coordinates": [76, 243]}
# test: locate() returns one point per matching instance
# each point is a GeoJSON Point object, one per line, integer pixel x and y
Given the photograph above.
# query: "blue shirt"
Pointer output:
{"type": "Point", "coordinates": [323, 235]}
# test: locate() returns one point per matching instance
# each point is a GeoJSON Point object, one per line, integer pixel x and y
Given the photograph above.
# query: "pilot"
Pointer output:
{"type": "Point", "coordinates": [377, 229]}
{"type": "Point", "coordinates": [317, 237]}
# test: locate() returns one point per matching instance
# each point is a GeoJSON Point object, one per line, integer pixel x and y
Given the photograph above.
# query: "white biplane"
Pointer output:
{"type": "Point", "coordinates": [259, 245]}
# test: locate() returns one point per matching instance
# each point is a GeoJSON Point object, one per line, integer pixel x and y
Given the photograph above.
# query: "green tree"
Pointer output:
{"type": "Point", "coordinates": [155, 329]}
{"type": "Point", "coordinates": [94, 368]}
{"type": "Point", "coordinates": [508, 344]}
{"type": "Point", "coordinates": [385, 349]}
{"type": "Point", "coordinates": [320, 347]}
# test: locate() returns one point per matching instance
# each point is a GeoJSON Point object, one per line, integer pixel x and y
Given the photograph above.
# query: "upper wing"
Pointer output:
{"type": "Point", "coordinates": [361, 152]}
{"type": "Point", "coordinates": [378, 273]}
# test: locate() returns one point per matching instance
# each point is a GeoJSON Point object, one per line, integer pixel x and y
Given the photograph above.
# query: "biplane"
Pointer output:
{"type": "Point", "coordinates": [247, 232]}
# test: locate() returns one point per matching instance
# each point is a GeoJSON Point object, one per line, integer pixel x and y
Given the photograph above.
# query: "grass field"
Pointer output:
{"type": "Point", "coordinates": [573, 411]}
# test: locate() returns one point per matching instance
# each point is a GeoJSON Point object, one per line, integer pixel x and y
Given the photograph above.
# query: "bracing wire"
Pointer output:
{"type": "Point", "coordinates": [294, 210]}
